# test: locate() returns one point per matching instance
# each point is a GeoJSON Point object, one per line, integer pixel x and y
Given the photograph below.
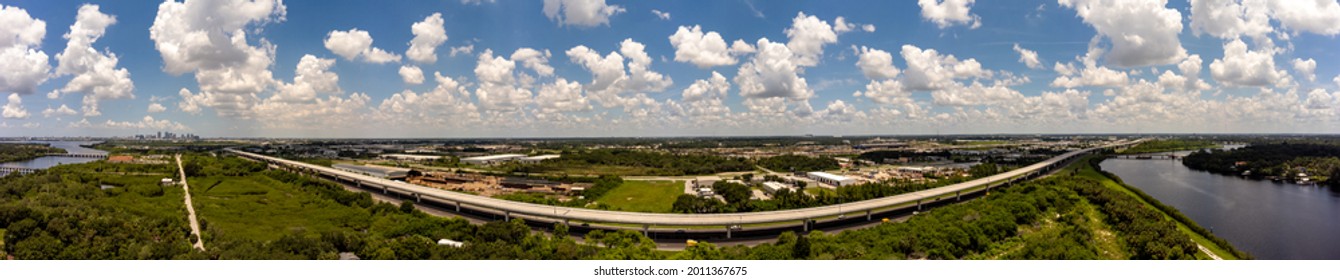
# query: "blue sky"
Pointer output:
{"type": "Point", "coordinates": [1101, 66]}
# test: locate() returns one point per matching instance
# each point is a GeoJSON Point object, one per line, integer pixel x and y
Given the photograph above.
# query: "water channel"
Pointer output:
{"type": "Point", "coordinates": [1267, 219]}
{"type": "Point", "coordinates": [71, 147]}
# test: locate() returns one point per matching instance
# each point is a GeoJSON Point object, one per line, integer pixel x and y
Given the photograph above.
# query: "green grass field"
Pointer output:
{"type": "Point", "coordinates": [1085, 170]}
{"type": "Point", "coordinates": [257, 207]}
{"type": "Point", "coordinates": [643, 196]}
{"type": "Point", "coordinates": [819, 190]}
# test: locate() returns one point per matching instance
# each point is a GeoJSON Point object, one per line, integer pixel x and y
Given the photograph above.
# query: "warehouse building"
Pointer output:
{"type": "Point", "coordinates": [537, 159]}
{"type": "Point", "coordinates": [774, 187]}
{"type": "Point", "coordinates": [492, 159]}
{"type": "Point", "coordinates": [383, 172]}
{"type": "Point", "coordinates": [831, 179]}
{"type": "Point", "coordinates": [404, 157]}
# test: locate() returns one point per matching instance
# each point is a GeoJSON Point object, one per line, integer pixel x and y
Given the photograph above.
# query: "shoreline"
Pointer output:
{"type": "Point", "coordinates": [1199, 234]}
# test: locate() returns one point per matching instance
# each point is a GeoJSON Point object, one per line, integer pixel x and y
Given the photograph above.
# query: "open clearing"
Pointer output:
{"type": "Point", "coordinates": [643, 196]}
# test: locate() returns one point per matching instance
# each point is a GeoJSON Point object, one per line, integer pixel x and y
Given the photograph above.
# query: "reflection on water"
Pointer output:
{"type": "Point", "coordinates": [1269, 220]}
{"type": "Point", "coordinates": [48, 162]}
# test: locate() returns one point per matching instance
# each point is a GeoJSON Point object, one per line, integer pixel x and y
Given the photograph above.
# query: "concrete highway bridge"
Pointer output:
{"type": "Point", "coordinates": [1147, 156]}
{"type": "Point", "coordinates": [79, 155]}
{"type": "Point", "coordinates": [685, 226]}
{"type": "Point", "coordinates": [14, 169]}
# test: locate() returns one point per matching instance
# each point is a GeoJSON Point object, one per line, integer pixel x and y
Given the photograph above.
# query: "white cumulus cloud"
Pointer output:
{"type": "Point", "coordinates": [1306, 67]}
{"type": "Point", "coordinates": [1316, 16]}
{"type": "Point", "coordinates": [356, 43]}
{"type": "Point", "coordinates": [25, 64]}
{"type": "Point", "coordinates": [411, 74]}
{"type": "Point", "coordinates": [95, 73]}
{"type": "Point", "coordinates": [61, 111]}
{"type": "Point", "coordinates": [1028, 57]}
{"type": "Point", "coordinates": [210, 39]}
{"type": "Point", "coordinates": [498, 88]}
{"type": "Point", "coordinates": [536, 60]}
{"type": "Point", "coordinates": [1230, 18]}
{"type": "Point", "coordinates": [704, 50]}
{"type": "Point", "coordinates": [614, 84]}
{"type": "Point", "coordinates": [772, 73]}
{"type": "Point", "coordinates": [561, 96]}
{"type": "Point", "coordinates": [1091, 75]}
{"type": "Point", "coordinates": [153, 108]}
{"type": "Point", "coordinates": [929, 70]}
{"type": "Point", "coordinates": [1142, 32]}
{"type": "Point", "coordinates": [1243, 67]}
{"type": "Point", "coordinates": [580, 13]}
{"type": "Point", "coordinates": [876, 64]}
{"type": "Point", "coordinates": [14, 109]}
{"type": "Point", "coordinates": [428, 34]}
{"type": "Point", "coordinates": [808, 35]}
{"type": "Point", "coordinates": [946, 13]}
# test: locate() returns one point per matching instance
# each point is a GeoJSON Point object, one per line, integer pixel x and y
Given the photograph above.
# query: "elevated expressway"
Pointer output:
{"type": "Point", "coordinates": [719, 223]}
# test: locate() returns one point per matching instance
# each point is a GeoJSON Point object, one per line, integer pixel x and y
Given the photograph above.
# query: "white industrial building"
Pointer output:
{"type": "Point", "coordinates": [384, 172]}
{"type": "Point", "coordinates": [449, 242]}
{"type": "Point", "coordinates": [492, 159]}
{"type": "Point", "coordinates": [537, 159]}
{"type": "Point", "coordinates": [405, 157]}
{"type": "Point", "coordinates": [705, 192]}
{"type": "Point", "coordinates": [915, 169]}
{"type": "Point", "coordinates": [706, 181]}
{"type": "Point", "coordinates": [774, 187]}
{"type": "Point", "coordinates": [831, 179]}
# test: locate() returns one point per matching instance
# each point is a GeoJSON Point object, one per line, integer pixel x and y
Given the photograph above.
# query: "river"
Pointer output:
{"type": "Point", "coordinates": [71, 147]}
{"type": "Point", "coordinates": [1266, 219]}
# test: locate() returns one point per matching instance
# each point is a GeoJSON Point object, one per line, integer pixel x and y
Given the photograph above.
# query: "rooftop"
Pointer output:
{"type": "Point", "coordinates": [495, 157]}
{"type": "Point", "coordinates": [541, 157]}
{"type": "Point", "coordinates": [829, 176]}
{"type": "Point", "coordinates": [414, 157]}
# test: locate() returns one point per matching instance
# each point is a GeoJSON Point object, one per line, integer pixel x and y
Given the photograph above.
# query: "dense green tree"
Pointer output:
{"type": "Point", "coordinates": [651, 163]}
{"type": "Point", "coordinates": [20, 152]}
{"type": "Point", "coordinates": [801, 249]}
{"type": "Point", "coordinates": [798, 163]}
{"type": "Point", "coordinates": [407, 207]}
{"type": "Point", "coordinates": [1283, 160]}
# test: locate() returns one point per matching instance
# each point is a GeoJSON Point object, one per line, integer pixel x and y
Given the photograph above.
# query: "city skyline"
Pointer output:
{"type": "Point", "coordinates": [560, 68]}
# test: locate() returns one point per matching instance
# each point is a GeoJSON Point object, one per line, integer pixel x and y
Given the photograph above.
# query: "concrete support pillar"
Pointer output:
{"type": "Point", "coordinates": [646, 231]}
{"type": "Point", "coordinates": [418, 198]}
{"type": "Point", "coordinates": [918, 205]}
{"type": "Point", "coordinates": [507, 216]}
{"type": "Point", "coordinates": [806, 224]}
{"type": "Point", "coordinates": [867, 215]}
{"type": "Point", "coordinates": [728, 232]}
{"type": "Point", "coordinates": [458, 206]}
{"type": "Point", "coordinates": [958, 196]}
{"type": "Point", "coordinates": [385, 190]}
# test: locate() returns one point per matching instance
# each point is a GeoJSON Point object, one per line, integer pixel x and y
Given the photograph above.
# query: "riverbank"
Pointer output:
{"type": "Point", "coordinates": [10, 152]}
{"type": "Point", "coordinates": [1088, 167]}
